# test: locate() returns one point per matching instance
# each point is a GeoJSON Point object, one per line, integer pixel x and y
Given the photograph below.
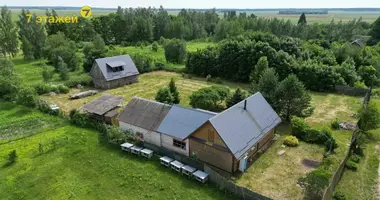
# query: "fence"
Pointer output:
{"type": "Point", "coordinates": [229, 186]}
{"type": "Point", "coordinates": [351, 91]}
{"type": "Point", "coordinates": [329, 192]}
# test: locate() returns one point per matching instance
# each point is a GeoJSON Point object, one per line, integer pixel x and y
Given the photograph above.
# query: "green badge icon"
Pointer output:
{"type": "Point", "coordinates": [86, 11]}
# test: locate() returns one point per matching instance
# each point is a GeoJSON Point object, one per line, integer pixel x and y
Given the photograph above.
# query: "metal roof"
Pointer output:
{"type": "Point", "coordinates": [144, 113]}
{"type": "Point", "coordinates": [242, 128]}
{"type": "Point", "coordinates": [180, 121]}
{"type": "Point", "coordinates": [103, 104]}
{"type": "Point", "coordinates": [116, 61]}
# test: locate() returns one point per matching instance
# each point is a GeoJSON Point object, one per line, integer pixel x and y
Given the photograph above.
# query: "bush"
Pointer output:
{"type": "Point", "coordinates": [208, 78]}
{"type": "Point", "coordinates": [291, 141]}
{"type": "Point", "coordinates": [84, 80]}
{"type": "Point", "coordinates": [335, 124]}
{"type": "Point", "coordinates": [355, 158]}
{"type": "Point", "coordinates": [27, 97]}
{"type": "Point", "coordinates": [12, 156]}
{"type": "Point", "coordinates": [339, 196]}
{"type": "Point", "coordinates": [314, 183]}
{"type": "Point", "coordinates": [299, 127]}
{"type": "Point", "coordinates": [46, 88]}
{"type": "Point", "coordinates": [154, 46]}
{"type": "Point", "coordinates": [359, 84]}
{"type": "Point", "coordinates": [312, 136]}
{"type": "Point", "coordinates": [217, 80]}
{"type": "Point", "coordinates": [351, 165]}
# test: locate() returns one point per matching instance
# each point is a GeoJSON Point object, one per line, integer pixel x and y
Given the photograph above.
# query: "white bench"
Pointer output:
{"type": "Point", "coordinates": [201, 176]}
{"type": "Point", "coordinates": [176, 165]}
{"type": "Point", "coordinates": [136, 150]}
{"type": "Point", "coordinates": [165, 161]}
{"type": "Point", "coordinates": [188, 170]}
{"type": "Point", "coordinates": [126, 146]}
{"type": "Point", "coordinates": [147, 153]}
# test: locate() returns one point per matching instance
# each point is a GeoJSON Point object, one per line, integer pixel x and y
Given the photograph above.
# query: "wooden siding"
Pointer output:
{"type": "Point", "coordinates": [211, 155]}
{"type": "Point", "coordinates": [266, 138]}
{"type": "Point", "coordinates": [207, 133]}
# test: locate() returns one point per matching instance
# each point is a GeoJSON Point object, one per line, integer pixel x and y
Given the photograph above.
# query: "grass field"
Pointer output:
{"type": "Point", "coordinates": [345, 16]}
{"type": "Point", "coordinates": [276, 176]}
{"type": "Point", "coordinates": [82, 166]}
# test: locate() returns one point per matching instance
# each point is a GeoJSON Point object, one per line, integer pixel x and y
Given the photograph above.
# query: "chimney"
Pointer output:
{"type": "Point", "coordinates": [245, 104]}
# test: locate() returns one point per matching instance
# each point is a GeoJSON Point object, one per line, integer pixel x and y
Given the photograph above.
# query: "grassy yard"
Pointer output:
{"type": "Point", "coordinates": [82, 166]}
{"type": "Point", "coordinates": [276, 175]}
{"type": "Point", "coordinates": [365, 181]}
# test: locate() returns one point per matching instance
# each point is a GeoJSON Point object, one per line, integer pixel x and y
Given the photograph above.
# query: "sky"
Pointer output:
{"type": "Point", "coordinates": [201, 3]}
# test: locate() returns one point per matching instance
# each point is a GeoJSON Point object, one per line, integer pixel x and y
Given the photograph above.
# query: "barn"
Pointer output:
{"type": "Point", "coordinates": [143, 117]}
{"type": "Point", "coordinates": [112, 72]}
{"type": "Point", "coordinates": [230, 139]}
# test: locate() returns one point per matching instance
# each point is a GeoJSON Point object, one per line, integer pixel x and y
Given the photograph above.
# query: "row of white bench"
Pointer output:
{"type": "Point", "coordinates": [185, 169]}
{"type": "Point", "coordinates": [128, 147]}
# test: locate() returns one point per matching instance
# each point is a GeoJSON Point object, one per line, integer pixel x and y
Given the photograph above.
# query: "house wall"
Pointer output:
{"type": "Point", "coordinates": [151, 137]}
{"type": "Point", "coordinates": [210, 148]}
{"type": "Point", "coordinates": [100, 82]}
{"type": "Point", "coordinates": [167, 142]}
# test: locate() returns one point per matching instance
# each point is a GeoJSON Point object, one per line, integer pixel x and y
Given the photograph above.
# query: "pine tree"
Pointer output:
{"type": "Point", "coordinates": [302, 19]}
{"type": "Point", "coordinates": [292, 99]}
{"type": "Point", "coordinates": [62, 69]}
{"type": "Point", "coordinates": [267, 85]}
{"type": "Point", "coordinates": [164, 96]}
{"type": "Point", "coordinates": [8, 33]}
{"type": "Point", "coordinates": [238, 96]}
{"type": "Point", "coordinates": [174, 91]}
{"type": "Point", "coordinates": [375, 32]}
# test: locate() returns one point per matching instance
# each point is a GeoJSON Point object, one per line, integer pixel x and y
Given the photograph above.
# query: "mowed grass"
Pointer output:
{"type": "Point", "coordinates": [82, 166]}
{"type": "Point", "coordinates": [276, 176]}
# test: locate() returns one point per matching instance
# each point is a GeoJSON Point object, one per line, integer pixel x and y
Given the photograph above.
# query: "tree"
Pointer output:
{"type": "Point", "coordinates": [54, 28]}
{"type": "Point", "coordinates": [209, 98]}
{"type": "Point", "coordinates": [314, 183]}
{"type": "Point", "coordinates": [369, 117]}
{"type": "Point", "coordinates": [62, 69]}
{"type": "Point", "coordinates": [27, 49]}
{"type": "Point", "coordinates": [174, 91]}
{"type": "Point", "coordinates": [260, 67]}
{"type": "Point", "coordinates": [368, 74]}
{"type": "Point", "coordinates": [375, 32]}
{"type": "Point", "coordinates": [9, 83]}
{"type": "Point", "coordinates": [92, 51]}
{"type": "Point", "coordinates": [237, 97]}
{"type": "Point", "coordinates": [164, 96]}
{"type": "Point", "coordinates": [154, 46]}
{"type": "Point", "coordinates": [175, 51]}
{"type": "Point", "coordinates": [8, 33]}
{"type": "Point", "coordinates": [59, 46]}
{"type": "Point", "coordinates": [46, 74]}
{"type": "Point", "coordinates": [27, 96]}
{"type": "Point", "coordinates": [292, 99]}
{"type": "Point", "coordinates": [267, 85]}
{"type": "Point", "coordinates": [12, 156]}
{"type": "Point", "coordinates": [348, 72]}
{"type": "Point", "coordinates": [302, 19]}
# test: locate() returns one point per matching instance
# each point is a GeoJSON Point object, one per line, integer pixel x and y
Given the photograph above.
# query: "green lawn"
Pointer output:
{"type": "Point", "coordinates": [364, 182]}
{"type": "Point", "coordinates": [82, 166]}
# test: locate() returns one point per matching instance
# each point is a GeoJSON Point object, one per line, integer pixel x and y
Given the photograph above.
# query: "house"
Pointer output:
{"type": "Point", "coordinates": [358, 43]}
{"type": "Point", "coordinates": [112, 72]}
{"type": "Point", "coordinates": [229, 139]}
{"type": "Point", "coordinates": [104, 108]}
{"type": "Point", "coordinates": [143, 117]}
{"type": "Point", "coordinates": [177, 126]}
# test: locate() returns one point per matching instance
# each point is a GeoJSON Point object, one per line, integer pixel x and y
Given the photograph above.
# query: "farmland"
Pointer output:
{"type": "Point", "coordinates": [343, 16]}
{"type": "Point", "coordinates": [77, 164]}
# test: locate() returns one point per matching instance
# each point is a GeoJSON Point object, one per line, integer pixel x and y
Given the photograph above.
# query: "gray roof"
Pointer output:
{"type": "Point", "coordinates": [103, 104]}
{"type": "Point", "coordinates": [180, 122]}
{"type": "Point", "coordinates": [358, 42]}
{"type": "Point", "coordinates": [105, 65]}
{"type": "Point", "coordinates": [242, 128]}
{"type": "Point", "coordinates": [144, 113]}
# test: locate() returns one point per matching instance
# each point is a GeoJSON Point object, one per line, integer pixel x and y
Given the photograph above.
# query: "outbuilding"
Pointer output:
{"type": "Point", "coordinates": [104, 108]}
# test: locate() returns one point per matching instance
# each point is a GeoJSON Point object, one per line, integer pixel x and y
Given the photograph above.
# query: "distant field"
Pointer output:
{"type": "Point", "coordinates": [336, 15]}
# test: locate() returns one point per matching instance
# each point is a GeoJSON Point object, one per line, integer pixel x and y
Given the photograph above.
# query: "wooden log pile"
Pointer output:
{"type": "Point", "coordinates": [83, 94]}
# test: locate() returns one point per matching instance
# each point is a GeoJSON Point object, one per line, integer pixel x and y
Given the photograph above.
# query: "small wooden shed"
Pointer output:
{"type": "Point", "coordinates": [104, 108]}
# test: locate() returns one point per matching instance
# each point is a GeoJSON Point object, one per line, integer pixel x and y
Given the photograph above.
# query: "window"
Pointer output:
{"type": "Point", "coordinates": [210, 136]}
{"type": "Point", "coordinates": [179, 144]}
{"type": "Point", "coordinates": [117, 69]}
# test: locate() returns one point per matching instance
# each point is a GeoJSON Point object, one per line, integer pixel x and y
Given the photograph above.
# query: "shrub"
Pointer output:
{"type": "Point", "coordinates": [208, 77]}
{"type": "Point", "coordinates": [359, 84]}
{"type": "Point", "coordinates": [351, 165]}
{"type": "Point", "coordinates": [218, 80]}
{"type": "Point", "coordinates": [12, 156]}
{"type": "Point", "coordinates": [312, 135]}
{"type": "Point", "coordinates": [27, 97]}
{"type": "Point", "coordinates": [84, 80]}
{"type": "Point", "coordinates": [291, 141]}
{"type": "Point", "coordinates": [335, 124]}
{"type": "Point", "coordinates": [314, 183]}
{"type": "Point", "coordinates": [154, 46]}
{"type": "Point", "coordinates": [355, 158]}
{"type": "Point", "coordinates": [299, 127]}
{"type": "Point", "coordinates": [339, 196]}
{"type": "Point", "coordinates": [46, 88]}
